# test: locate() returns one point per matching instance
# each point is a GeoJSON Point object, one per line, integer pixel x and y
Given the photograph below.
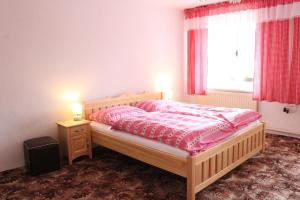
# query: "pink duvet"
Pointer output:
{"type": "Point", "coordinates": [186, 132]}
{"type": "Point", "coordinates": [235, 116]}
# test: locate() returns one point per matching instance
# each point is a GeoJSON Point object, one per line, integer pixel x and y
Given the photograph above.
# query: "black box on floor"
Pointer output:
{"type": "Point", "coordinates": [41, 155]}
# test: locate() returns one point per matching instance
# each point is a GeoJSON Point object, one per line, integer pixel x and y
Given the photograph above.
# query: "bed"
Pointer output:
{"type": "Point", "coordinates": [200, 170]}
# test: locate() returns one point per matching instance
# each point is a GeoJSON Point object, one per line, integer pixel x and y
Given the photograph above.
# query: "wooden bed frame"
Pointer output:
{"type": "Point", "coordinates": [200, 170]}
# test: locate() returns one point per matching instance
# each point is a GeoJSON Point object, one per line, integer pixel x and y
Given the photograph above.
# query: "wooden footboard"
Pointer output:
{"type": "Point", "coordinates": [207, 167]}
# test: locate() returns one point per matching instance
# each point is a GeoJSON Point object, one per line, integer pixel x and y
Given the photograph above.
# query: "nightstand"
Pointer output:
{"type": "Point", "coordinates": [75, 139]}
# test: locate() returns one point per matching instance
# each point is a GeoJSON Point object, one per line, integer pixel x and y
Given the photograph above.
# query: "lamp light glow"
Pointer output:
{"type": "Point", "coordinates": [163, 84]}
{"type": "Point", "coordinates": [72, 96]}
{"type": "Point", "coordinates": [168, 94]}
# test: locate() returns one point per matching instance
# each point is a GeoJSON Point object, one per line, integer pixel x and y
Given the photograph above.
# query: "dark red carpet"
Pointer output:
{"type": "Point", "coordinates": [272, 175]}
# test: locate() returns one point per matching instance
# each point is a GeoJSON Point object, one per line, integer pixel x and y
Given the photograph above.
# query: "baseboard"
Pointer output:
{"type": "Point", "coordinates": [295, 135]}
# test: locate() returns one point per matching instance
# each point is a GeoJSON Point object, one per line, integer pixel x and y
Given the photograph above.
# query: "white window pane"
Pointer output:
{"type": "Point", "coordinates": [231, 43]}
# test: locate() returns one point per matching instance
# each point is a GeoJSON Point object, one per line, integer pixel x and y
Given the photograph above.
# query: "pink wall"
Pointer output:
{"type": "Point", "coordinates": [98, 48]}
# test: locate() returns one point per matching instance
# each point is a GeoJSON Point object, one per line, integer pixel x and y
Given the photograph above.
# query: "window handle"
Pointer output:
{"type": "Point", "coordinates": [236, 53]}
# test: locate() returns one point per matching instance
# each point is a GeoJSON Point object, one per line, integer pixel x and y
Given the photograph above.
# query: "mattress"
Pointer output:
{"type": "Point", "coordinates": [99, 128]}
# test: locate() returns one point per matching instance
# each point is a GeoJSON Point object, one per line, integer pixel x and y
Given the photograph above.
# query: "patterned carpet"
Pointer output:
{"type": "Point", "coordinates": [272, 175]}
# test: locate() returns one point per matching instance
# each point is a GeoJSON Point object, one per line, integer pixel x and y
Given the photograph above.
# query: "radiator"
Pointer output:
{"type": "Point", "coordinates": [227, 99]}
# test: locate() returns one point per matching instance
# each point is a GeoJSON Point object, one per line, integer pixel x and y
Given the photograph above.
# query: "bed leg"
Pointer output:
{"type": "Point", "coordinates": [263, 144]}
{"type": "Point", "coordinates": [190, 195]}
{"type": "Point", "coordinates": [263, 139]}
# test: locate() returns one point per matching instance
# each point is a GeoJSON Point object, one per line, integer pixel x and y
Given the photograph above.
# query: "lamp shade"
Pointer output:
{"type": "Point", "coordinates": [77, 111]}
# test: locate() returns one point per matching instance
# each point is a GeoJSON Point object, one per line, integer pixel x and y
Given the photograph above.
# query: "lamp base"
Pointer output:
{"type": "Point", "coordinates": [77, 118]}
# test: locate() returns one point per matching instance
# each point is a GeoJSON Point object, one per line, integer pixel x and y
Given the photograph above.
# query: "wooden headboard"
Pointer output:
{"type": "Point", "coordinates": [125, 99]}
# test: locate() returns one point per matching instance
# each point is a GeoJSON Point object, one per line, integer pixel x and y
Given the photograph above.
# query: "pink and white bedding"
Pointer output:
{"type": "Point", "coordinates": [189, 127]}
{"type": "Point", "coordinates": [237, 117]}
{"type": "Point", "coordinates": [153, 105]}
{"type": "Point", "coordinates": [190, 133]}
{"type": "Point", "coordinates": [110, 115]}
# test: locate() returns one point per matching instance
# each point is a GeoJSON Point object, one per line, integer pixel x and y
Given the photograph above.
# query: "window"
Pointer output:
{"type": "Point", "coordinates": [231, 48]}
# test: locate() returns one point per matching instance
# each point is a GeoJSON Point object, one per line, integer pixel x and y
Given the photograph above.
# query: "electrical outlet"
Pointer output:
{"type": "Point", "coordinates": [286, 110]}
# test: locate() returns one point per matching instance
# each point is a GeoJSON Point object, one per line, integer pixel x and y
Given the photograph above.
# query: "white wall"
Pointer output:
{"type": "Point", "coordinates": [277, 120]}
{"type": "Point", "coordinates": [96, 47]}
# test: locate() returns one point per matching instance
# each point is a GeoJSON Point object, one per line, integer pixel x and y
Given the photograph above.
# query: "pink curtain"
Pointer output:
{"type": "Point", "coordinates": [294, 91]}
{"type": "Point", "coordinates": [277, 70]}
{"type": "Point", "coordinates": [272, 61]}
{"type": "Point", "coordinates": [277, 74]}
{"type": "Point", "coordinates": [191, 62]}
{"type": "Point", "coordinates": [197, 61]}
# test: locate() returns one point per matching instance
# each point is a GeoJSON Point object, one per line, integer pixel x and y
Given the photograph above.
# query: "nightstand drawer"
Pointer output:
{"type": "Point", "coordinates": [79, 130]}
